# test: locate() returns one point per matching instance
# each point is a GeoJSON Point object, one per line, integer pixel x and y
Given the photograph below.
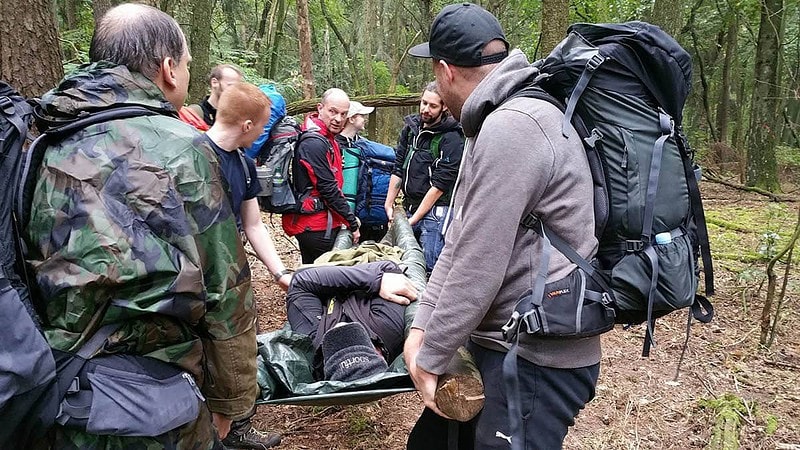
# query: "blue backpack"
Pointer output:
{"type": "Point", "coordinates": [374, 173]}
{"type": "Point", "coordinates": [277, 112]}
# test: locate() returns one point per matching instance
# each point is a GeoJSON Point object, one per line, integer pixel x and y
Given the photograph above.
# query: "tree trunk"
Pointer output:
{"type": "Point", "coordinates": [723, 105]}
{"type": "Point", "coordinates": [261, 32]}
{"type": "Point", "coordinates": [306, 57]}
{"type": "Point", "coordinates": [167, 6]}
{"type": "Point", "coordinates": [276, 42]}
{"type": "Point", "coordinates": [345, 43]}
{"type": "Point", "coordinates": [703, 82]}
{"type": "Point", "coordinates": [30, 54]}
{"type": "Point", "coordinates": [200, 45]}
{"type": "Point", "coordinates": [426, 17]}
{"type": "Point", "coordinates": [555, 19]}
{"type": "Point", "coordinates": [69, 10]}
{"type": "Point", "coordinates": [229, 8]}
{"type": "Point", "coordinates": [762, 166]}
{"type": "Point", "coordinates": [740, 116]}
{"type": "Point", "coordinates": [369, 54]}
{"type": "Point", "coordinates": [667, 15]}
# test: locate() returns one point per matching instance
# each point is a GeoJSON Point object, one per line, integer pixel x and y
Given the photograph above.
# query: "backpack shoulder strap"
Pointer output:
{"type": "Point", "coordinates": [54, 133]}
{"type": "Point", "coordinates": [246, 169]}
{"type": "Point", "coordinates": [437, 139]}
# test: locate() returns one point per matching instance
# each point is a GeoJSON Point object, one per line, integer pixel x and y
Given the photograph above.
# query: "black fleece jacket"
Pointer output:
{"type": "Point", "coordinates": [423, 170]}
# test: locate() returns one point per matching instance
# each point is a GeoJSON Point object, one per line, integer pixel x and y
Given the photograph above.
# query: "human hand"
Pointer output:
{"type": "Point", "coordinates": [389, 211]}
{"type": "Point", "coordinates": [284, 281]}
{"type": "Point", "coordinates": [424, 381]}
{"type": "Point", "coordinates": [396, 288]}
{"type": "Point", "coordinates": [356, 236]}
{"type": "Point", "coordinates": [222, 424]}
{"type": "Point", "coordinates": [413, 220]}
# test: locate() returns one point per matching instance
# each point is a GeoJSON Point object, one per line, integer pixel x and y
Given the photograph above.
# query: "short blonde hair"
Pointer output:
{"type": "Point", "coordinates": [241, 102]}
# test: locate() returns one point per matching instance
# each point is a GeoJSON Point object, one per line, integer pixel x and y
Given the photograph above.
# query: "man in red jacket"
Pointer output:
{"type": "Point", "coordinates": [317, 176]}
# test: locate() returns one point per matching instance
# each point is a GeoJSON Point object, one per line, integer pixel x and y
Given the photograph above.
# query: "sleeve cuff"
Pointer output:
{"type": "Point", "coordinates": [422, 316]}
{"type": "Point", "coordinates": [432, 359]}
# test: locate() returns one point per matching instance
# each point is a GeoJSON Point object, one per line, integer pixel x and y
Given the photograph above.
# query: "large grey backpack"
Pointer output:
{"type": "Point", "coordinates": [623, 87]}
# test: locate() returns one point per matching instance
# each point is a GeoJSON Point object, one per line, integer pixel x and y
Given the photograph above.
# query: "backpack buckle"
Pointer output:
{"type": "Point", "coordinates": [529, 221]}
{"type": "Point", "coordinates": [634, 246]}
{"type": "Point", "coordinates": [595, 136]}
{"type": "Point", "coordinates": [6, 105]}
{"type": "Point", "coordinates": [595, 62]}
{"type": "Point", "coordinates": [511, 328]}
{"type": "Point", "coordinates": [532, 322]}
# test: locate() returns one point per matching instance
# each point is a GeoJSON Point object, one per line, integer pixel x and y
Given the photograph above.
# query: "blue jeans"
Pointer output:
{"type": "Point", "coordinates": [550, 400]}
{"type": "Point", "coordinates": [429, 234]}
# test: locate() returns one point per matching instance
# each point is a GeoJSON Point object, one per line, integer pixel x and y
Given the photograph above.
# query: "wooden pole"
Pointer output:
{"type": "Point", "coordinates": [459, 393]}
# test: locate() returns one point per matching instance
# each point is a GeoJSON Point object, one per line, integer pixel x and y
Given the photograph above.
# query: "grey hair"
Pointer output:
{"type": "Point", "coordinates": [139, 37]}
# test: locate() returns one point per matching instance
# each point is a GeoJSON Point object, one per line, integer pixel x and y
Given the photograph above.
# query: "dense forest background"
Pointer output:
{"type": "Point", "coordinates": [743, 116]}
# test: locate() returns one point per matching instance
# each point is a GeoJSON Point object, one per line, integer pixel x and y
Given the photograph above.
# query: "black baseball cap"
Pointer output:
{"type": "Point", "coordinates": [458, 35]}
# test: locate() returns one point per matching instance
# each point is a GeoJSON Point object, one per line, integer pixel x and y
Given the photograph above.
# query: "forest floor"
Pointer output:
{"type": "Point", "coordinates": [641, 403]}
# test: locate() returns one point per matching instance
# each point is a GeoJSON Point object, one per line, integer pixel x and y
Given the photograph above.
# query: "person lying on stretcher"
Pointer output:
{"type": "Point", "coordinates": [353, 314]}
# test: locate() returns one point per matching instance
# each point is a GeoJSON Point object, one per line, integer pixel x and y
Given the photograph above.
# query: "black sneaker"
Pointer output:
{"type": "Point", "coordinates": [250, 438]}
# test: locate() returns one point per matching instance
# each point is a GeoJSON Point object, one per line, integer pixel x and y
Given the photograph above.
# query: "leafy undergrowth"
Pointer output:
{"type": "Point", "coordinates": [640, 404]}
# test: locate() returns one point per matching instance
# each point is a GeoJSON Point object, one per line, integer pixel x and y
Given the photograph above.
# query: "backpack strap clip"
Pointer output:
{"type": "Point", "coordinates": [595, 62]}
{"type": "Point", "coordinates": [632, 246]}
{"type": "Point", "coordinates": [6, 105]}
{"type": "Point", "coordinates": [529, 221]}
{"type": "Point", "coordinates": [592, 139]}
{"type": "Point", "coordinates": [511, 328]}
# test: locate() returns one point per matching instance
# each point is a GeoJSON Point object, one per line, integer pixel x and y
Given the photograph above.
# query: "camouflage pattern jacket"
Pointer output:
{"type": "Point", "coordinates": [129, 223]}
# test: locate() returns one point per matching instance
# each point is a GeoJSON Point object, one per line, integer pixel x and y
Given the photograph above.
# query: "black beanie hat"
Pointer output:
{"type": "Point", "coordinates": [348, 353]}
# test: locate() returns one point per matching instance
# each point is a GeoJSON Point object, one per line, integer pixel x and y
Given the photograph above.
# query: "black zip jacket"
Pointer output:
{"type": "Point", "coordinates": [422, 170]}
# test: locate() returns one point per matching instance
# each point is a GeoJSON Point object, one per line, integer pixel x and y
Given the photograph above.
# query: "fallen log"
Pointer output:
{"type": "Point", "coordinates": [380, 100]}
{"type": "Point", "coordinates": [459, 393]}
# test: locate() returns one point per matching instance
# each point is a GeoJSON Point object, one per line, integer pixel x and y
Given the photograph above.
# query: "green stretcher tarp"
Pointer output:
{"type": "Point", "coordinates": [285, 357]}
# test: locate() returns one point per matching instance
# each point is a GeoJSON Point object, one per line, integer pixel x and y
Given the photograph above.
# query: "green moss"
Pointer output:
{"type": "Point", "coordinates": [771, 425]}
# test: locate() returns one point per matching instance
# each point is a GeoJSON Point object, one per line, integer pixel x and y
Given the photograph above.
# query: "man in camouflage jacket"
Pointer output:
{"type": "Point", "coordinates": [129, 224]}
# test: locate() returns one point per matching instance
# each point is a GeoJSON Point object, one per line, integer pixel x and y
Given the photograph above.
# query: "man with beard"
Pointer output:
{"type": "Point", "coordinates": [317, 177]}
{"type": "Point", "coordinates": [428, 155]}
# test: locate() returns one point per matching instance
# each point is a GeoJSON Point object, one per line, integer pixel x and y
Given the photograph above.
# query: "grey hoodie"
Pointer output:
{"type": "Point", "coordinates": [515, 161]}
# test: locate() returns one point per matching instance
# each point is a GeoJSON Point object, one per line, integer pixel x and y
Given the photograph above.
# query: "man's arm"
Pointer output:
{"type": "Point", "coordinates": [262, 243]}
{"type": "Point", "coordinates": [395, 183]}
{"type": "Point", "coordinates": [427, 203]}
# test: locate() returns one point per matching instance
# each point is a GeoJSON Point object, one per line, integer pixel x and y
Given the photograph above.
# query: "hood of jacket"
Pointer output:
{"type": "Point", "coordinates": [493, 90]}
{"type": "Point", "coordinates": [313, 122]}
{"type": "Point", "coordinates": [449, 123]}
{"type": "Point", "coordinates": [102, 85]}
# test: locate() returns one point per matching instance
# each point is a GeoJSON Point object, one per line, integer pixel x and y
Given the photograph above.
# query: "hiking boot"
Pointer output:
{"type": "Point", "coordinates": [248, 437]}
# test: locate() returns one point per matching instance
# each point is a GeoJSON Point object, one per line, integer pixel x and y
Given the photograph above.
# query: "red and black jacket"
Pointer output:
{"type": "Point", "coordinates": [317, 169]}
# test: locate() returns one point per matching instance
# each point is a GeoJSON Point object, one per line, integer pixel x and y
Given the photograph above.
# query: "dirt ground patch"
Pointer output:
{"type": "Point", "coordinates": [639, 404]}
